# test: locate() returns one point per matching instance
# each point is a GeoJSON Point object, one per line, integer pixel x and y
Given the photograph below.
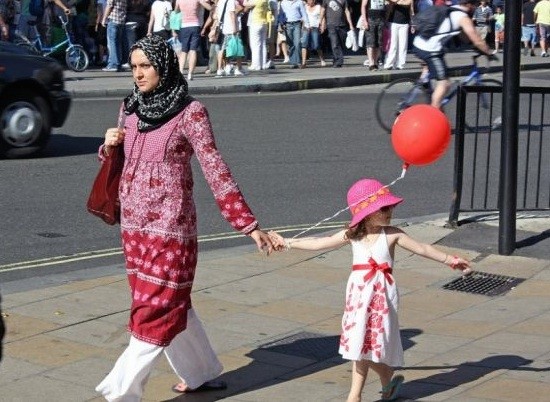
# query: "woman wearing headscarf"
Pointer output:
{"type": "Point", "coordinates": [163, 128]}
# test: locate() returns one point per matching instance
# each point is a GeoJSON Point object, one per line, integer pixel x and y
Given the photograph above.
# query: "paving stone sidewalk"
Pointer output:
{"type": "Point", "coordinates": [96, 83]}
{"type": "Point", "coordinates": [275, 323]}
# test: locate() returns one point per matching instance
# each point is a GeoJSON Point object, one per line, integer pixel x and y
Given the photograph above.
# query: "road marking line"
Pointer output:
{"type": "Point", "coordinates": [88, 255]}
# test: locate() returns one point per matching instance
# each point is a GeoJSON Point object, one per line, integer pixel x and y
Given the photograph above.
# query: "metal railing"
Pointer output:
{"type": "Point", "coordinates": [478, 146]}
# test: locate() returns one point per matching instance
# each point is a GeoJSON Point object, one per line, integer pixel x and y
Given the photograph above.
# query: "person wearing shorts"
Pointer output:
{"type": "Point", "coordinates": [190, 32]}
{"type": "Point", "coordinates": [374, 13]}
{"type": "Point", "coordinates": [528, 27]}
{"type": "Point", "coordinates": [542, 19]}
{"type": "Point", "coordinates": [432, 52]}
{"type": "Point", "coordinates": [311, 37]}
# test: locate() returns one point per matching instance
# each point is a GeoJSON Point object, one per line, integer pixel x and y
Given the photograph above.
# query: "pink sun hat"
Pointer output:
{"type": "Point", "coordinates": [366, 197]}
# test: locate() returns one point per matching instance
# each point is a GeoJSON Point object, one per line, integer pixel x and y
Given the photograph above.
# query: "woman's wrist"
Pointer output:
{"type": "Point", "coordinates": [255, 227]}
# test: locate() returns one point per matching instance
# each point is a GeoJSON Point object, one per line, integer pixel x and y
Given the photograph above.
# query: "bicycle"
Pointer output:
{"type": "Point", "coordinates": [75, 56]}
{"type": "Point", "coordinates": [405, 92]}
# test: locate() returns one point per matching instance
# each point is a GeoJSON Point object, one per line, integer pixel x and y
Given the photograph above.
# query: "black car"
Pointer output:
{"type": "Point", "coordinates": [32, 100]}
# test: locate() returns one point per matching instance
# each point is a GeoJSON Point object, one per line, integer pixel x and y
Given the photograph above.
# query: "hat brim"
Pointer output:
{"type": "Point", "coordinates": [384, 201]}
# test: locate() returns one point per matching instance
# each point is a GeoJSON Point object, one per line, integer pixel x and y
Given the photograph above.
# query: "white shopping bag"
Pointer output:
{"type": "Point", "coordinates": [351, 40]}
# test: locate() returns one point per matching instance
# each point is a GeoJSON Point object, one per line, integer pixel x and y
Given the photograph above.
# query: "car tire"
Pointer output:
{"type": "Point", "coordinates": [25, 125]}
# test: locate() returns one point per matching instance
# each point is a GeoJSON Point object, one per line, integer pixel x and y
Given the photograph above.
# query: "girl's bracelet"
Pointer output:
{"type": "Point", "coordinates": [287, 244]}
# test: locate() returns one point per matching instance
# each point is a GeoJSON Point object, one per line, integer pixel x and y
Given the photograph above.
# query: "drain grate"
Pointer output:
{"type": "Point", "coordinates": [482, 283]}
{"type": "Point", "coordinates": [306, 344]}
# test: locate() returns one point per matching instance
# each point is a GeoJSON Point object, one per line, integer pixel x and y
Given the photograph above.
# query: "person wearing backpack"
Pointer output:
{"type": "Point", "coordinates": [430, 46]}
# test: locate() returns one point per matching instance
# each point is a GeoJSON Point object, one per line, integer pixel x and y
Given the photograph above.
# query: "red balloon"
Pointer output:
{"type": "Point", "coordinates": [421, 134]}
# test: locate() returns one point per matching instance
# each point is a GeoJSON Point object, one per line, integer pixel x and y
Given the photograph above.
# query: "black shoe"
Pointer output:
{"type": "Point", "coordinates": [337, 65]}
{"type": "Point", "coordinates": [373, 68]}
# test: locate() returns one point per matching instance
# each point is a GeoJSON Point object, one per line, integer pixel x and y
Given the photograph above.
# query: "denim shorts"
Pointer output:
{"type": "Point", "coordinates": [190, 38]}
{"type": "Point", "coordinates": [311, 39]}
{"type": "Point", "coordinates": [529, 33]}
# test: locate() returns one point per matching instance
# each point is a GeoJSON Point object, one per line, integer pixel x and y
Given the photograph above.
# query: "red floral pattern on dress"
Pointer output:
{"type": "Point", "coordinates": [377, 311]}
{"type": "Point", "coordinates": [158, 219]}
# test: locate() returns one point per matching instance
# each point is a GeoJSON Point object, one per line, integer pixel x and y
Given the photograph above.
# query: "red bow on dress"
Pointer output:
{"type": "Point", "coordinates": [373, 267]}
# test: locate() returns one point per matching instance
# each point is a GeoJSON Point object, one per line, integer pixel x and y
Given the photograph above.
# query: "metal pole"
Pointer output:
{"type": "Point", "coordinates": [509, 147]}
{"type": "Point", "coordinates": [459, 156]}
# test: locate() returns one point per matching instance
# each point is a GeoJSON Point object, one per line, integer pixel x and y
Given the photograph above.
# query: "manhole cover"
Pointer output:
{"type": "Point", "coordinates": [482, 283]}
{"type": "Point", "coordinates": [306, 344]}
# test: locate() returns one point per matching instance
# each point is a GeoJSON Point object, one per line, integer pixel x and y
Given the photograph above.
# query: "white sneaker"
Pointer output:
{"type": "Point", "coordinates": [286, 60]}
{"type": "Point", "coordinates": [366, 63]}
{"type": "Point", "coordinates": [268, 65]}
{"type": "Point", "coordinates": [189, 77]}
{"type": "Point", "coordinates": [238, 73]}
{"type": "Point", "coordinates": [323, 63]}
{"type": "Point", "coordinates": [228, 69]}
{"type": "Point", "coordinates": [126, 66]}
{"type": "Point", "coordinates": [220, 73]}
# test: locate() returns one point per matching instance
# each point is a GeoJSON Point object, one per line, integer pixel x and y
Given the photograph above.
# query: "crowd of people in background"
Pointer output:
{"type": "Point", "coordinates": [298, 32]}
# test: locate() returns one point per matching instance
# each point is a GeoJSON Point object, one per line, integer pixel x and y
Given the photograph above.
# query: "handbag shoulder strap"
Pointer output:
{"type": "Point", "coordinates": [223, 13]}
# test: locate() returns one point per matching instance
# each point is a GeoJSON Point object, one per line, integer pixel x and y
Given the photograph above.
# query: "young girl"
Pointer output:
{"type": "Point", "coordinates": [370, 329]}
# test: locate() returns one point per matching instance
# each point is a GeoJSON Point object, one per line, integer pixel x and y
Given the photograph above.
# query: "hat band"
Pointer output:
{"type": "Point", "coordinates": [369, 200]}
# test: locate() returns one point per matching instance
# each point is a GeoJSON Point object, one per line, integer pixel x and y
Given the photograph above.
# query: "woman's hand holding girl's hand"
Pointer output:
{"type": "Point", "coordinates": [278, 241]}
{"type": "Point", "coordinates": [262, 240]}
{"type": "Point", "coordinates": [460, 263]}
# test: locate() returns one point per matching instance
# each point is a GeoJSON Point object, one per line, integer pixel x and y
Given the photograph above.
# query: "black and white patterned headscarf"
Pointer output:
{"type": "Point", "coordinates": [169, 97]}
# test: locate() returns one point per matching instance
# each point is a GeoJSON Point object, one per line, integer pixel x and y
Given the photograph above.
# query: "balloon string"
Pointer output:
{"type": "Point", "coordinates": [403, 172]}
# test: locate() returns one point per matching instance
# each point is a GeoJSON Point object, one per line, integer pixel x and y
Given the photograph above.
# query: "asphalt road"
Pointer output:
{"type": "Point", "coordinates": [294, 156]}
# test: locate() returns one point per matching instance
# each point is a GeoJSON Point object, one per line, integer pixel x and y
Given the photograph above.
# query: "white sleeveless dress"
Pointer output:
{"type": "Point", "coordinates": [370, 327]}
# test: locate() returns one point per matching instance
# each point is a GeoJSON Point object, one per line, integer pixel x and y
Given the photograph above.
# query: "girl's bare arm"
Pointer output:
{"type": "Point", "coordinates": [310, 243]}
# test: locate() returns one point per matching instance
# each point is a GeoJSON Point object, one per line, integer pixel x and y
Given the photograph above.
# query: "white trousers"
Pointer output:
{"type": "Point", "coordinates": [399, 40]}
{"type": "Point", "coordinates": [257, 36]}
{"type": "Point", "coordinates": [190, 355]}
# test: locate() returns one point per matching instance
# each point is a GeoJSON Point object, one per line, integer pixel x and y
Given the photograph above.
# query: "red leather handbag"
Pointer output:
{"type": "Point", "coordinates": [103, 200]}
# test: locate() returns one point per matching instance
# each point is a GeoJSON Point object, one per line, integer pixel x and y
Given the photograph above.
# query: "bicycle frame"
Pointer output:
{"type": "Point", "coordinates": [474, 76]}
{"type": "Point", "coordinates": [48, 50]}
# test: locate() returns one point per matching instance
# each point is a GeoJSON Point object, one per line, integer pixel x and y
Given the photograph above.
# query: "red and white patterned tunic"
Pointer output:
{"type": "Point", "coordinates": [370, 327]}
{"type": "Point", "coordinates": [158, 217]}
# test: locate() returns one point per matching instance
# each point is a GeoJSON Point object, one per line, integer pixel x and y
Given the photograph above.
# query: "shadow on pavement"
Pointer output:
{"type": "Point", "coordinates": [67, 145]}
{"type": "Point", "coordinates": [483, 238]}
{"type": "Point", "coordinates": [262, 372]}
{"type": "Point", "coordinates": [462, 374]}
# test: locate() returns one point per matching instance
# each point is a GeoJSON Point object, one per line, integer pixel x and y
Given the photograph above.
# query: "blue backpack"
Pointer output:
{"type": "Point", "coordinates": [36, 8]}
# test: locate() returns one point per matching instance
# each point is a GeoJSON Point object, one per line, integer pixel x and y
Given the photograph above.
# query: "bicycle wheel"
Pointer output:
{"type": "Point", "coordinates": [396, 97]}
{"type": "Point", "coordinates": [76, 58]}
{"type": "Point", "coordinates": [483, 110]}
